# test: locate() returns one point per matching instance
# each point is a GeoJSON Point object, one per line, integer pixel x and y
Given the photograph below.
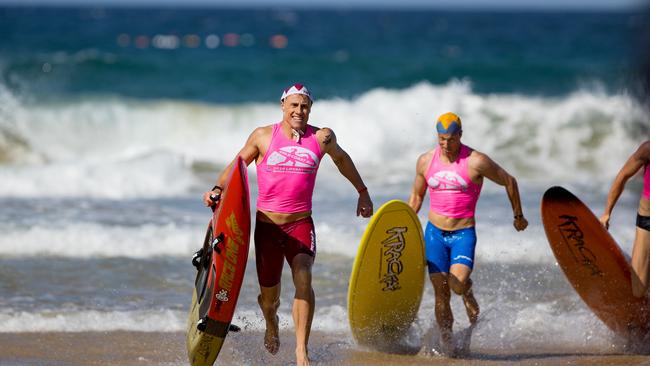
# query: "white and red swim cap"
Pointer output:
{"type": "Point", "coordinates": [296, 89]}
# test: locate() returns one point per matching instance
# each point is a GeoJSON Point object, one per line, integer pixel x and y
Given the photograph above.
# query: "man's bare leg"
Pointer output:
{"type": "Point", "coordinates": [269, 300]}
{"type": "Point", "coordinates": [461, 284]}
{"type": "Point", "coordinates": [303, 305]}
{"type": "Point", "coordinates": [471, 306]}
{"type": "Point", "coordinates": [444, 316]}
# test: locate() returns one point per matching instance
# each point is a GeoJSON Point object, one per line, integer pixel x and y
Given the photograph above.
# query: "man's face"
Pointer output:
{"type": "Point", "coordinates": [449, 143]}
{"type": "Point", "coordinates": [295, 110]}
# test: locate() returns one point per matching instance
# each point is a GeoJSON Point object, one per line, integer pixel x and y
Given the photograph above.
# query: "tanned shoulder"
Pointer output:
{"type": "Point", "coordinates": [644, 151]}
{"type": "Point", "coordinates": [480, 162]}
{"type": "Point", "coordinates": [424, 161]}
{"type": "Point", "coordinates": [261, 132]}
{"type": "Point", "coordinates": [325, 135]}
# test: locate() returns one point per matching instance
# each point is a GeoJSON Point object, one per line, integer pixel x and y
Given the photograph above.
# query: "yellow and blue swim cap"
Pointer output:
{"type": "Point", "coordinates": [449, 123]}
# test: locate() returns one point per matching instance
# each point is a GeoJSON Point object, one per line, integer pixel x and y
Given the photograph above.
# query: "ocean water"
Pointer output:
{"type": "Point", "coordinates": [114, 121]}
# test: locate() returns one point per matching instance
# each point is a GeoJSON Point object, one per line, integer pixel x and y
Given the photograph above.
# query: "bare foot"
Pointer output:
{"type": "Point", "coordinates": [437, 343]}
{"type": "Point", "coordinates": [271, 335]}
{"type": "Point", "coordinates": [447, 343]}
{"type": "Point", "coordinates": [302, 359]}
{"type": "Point", "coordinates": [464, 341]}
{"type": "Point", "coordinates": [428, 342]}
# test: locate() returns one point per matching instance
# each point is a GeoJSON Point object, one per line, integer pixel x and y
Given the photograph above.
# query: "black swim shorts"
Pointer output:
{"type": "Point", "coordinates": [643, 222]}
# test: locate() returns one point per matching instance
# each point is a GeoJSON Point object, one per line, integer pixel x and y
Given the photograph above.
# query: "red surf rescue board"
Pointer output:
{"type": "Point", "coordinates": [221, 264]}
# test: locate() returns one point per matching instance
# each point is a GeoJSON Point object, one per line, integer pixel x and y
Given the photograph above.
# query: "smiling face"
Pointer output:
{"type": "Point", "coordinates": [295, 111]}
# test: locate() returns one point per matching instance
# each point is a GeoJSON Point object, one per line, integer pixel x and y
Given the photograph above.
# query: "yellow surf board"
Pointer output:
{"type": "Point", "coordinates": [387, 277]}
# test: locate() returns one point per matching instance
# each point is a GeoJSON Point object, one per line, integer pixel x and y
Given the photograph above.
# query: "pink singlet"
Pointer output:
{"type": "Point", "coordinates": [451, 191]}
{"type": "Point", "coordinates": [646, 182]}
{"type": "Point", "coordinates": [287, 174]}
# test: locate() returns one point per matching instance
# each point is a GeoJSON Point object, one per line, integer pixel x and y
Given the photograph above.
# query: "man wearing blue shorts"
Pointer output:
{"type": "Point", "coordinates": [453, 174]}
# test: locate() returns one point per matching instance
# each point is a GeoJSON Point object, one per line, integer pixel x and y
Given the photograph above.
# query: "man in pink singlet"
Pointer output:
{"type": "Point", "coordinates": [641, 250]}
{"type": "Point", "coordinates": [287, 155]}
{"type": "Point", "coordinates": [453, 174]}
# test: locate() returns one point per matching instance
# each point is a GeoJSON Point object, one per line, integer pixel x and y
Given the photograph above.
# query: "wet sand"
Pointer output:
{"type": "Point", "coordinates": [245, 348]}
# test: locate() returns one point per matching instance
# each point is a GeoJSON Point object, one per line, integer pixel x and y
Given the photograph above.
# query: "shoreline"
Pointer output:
{"type": "Point", "coordinates": [162, 348]}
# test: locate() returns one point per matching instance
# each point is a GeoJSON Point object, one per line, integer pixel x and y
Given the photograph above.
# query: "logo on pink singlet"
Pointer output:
{"type": "Point", "coordinates": [294, 159]}
{"type": "Point", "coordinates": [447, 181]}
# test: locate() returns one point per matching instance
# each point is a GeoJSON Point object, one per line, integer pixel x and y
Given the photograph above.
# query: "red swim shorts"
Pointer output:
{"type": "Point", "coordinates": [274, 243]}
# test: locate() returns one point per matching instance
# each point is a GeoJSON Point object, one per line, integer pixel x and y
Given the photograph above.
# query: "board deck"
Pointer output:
{"type": "Point", "coordinates": [593, 262]}
{"type": "Point", "coordinates": [387, 277]}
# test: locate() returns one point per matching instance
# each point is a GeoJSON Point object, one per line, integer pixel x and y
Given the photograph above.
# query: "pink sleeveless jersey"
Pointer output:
{"type": "Point", "coordinates": [287, 174]}
{"type": "Point", "coordinates": [646, 182]}
{"type": "Point", "coordinates": [451, 191]}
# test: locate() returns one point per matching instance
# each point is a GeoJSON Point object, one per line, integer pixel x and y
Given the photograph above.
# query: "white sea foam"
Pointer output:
{"type": "Point", "coordinates": [517, 322]}
{"type": "Point", "coordinates": [331, 319]}
{"type": "Point", "coordinates": [153, 175]}
{"type": "Point", "coordinates": [124, 148]}
{"type": "Point", "coordinates": [92, 320]}
{"type": "Point", "coordinates": [92, 240]}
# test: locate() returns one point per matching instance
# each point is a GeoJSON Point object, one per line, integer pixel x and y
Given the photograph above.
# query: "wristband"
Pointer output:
{"type": "Point", "coordinates": [364, 189]}
{"type": "Point", "coordinates": [520, 216]}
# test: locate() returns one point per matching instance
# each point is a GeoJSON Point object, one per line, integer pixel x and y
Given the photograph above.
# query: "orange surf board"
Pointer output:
{"type": "Point", "coordinates": [593, 263]}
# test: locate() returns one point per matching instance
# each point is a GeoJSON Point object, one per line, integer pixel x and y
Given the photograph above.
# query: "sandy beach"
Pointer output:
{"type": "Point", "coordinates": [114, 120]}
{"type": "Point", "coordinates": [149, 348]}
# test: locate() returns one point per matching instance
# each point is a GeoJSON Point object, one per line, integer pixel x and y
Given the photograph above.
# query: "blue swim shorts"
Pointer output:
{"type": "Point", "coordinates": [444, 248]}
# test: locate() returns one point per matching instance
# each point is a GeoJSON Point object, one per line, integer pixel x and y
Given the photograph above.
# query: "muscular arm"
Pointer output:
{"type": "Point", "coordinates": [419, 184]}
{"type": "Point", "coordinates": [347, 168]}
{"type": "Point", "coordinates": [631, 167]}
{"type": "Point", "coordinates": [249, 152]}
{"type": "Point", "coordinates": [489, 169]}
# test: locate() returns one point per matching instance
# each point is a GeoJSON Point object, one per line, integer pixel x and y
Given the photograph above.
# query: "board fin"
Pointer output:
{"type": "Point", "coordinates": [196, 258]}
{"type": "Point", "coordinates": [234, 328]}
